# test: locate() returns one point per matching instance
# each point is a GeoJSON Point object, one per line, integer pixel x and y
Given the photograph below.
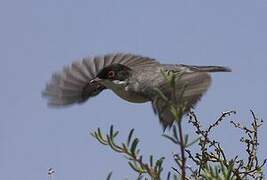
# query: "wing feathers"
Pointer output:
{"type": "Point", "coordinates": [87, 63]}
{"type": "Point", "coordinates": [72, 84]}
{"type": "Point", "coordinates": [196, 84]}
{"type": "Point", "coordinates": [81, 68]}
{"type": "Point", "coordinates": [99, 62]}
{"type": "Point", "coordinates": [112, 58]}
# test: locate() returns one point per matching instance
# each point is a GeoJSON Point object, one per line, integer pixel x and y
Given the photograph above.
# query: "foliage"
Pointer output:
{"type": "Point", "coordinates": [132, 153]}
{"type": "Point", "coordinates": [210, 162]}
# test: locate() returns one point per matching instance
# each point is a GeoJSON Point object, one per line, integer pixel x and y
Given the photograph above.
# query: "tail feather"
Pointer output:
{"type": "Point", "coordinates": [207, 68]}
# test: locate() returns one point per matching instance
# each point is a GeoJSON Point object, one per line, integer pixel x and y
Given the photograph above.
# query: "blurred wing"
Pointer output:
{"type": "Point", "coordinates": [196, 84]}
{"type": "Point", "coordinates": [72, 84]}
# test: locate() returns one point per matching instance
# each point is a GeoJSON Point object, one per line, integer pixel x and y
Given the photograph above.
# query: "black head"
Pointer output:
{"type": "Point", "coordinates": [115, 72]}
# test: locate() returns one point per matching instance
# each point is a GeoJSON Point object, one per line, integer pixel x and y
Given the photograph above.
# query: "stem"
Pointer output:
{"type": "Point", "coordinates": [179, 123]}
{"type": "Point", "coordinates": [182, 149]}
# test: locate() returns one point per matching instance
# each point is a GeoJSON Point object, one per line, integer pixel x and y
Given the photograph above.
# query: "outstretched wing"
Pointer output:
{"type": "Point", "coordinates": [72, 84]}
{"type": "Point", "coordinates": [193, 85]}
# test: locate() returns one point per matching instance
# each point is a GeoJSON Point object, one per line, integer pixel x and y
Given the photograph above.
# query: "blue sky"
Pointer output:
{"type": "Point", "coordinates": [40, 37]}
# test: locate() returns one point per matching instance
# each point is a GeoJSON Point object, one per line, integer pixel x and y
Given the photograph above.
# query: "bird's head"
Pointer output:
{"type": "Point", "coordinates": [115, 74]}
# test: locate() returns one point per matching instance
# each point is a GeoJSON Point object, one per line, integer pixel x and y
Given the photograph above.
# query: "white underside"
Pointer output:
{"type": "Point", "coordinates": [120, 88]}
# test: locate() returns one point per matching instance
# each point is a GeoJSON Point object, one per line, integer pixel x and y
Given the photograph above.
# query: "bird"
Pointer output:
{"type": "Point", "coordinates": [133, 78]}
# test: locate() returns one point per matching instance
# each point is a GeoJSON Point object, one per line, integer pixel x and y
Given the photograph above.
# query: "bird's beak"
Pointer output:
{"type": "Point", "coordinates": [95, 80]}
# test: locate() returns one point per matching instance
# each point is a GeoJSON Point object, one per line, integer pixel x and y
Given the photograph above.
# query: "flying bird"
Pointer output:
{"type": "Point", "coordinates": [133, 78]}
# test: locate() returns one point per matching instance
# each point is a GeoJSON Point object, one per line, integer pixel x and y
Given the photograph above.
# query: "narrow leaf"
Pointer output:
{"type": "Point", "coordinates": [130, 137]}
{"type": "Point", "coordinates": [109, 176]}
{"type": "Point", "coordinates": [170, 138]}
{"type": "Point", "coordinates": [151, 160]}
{"type": "Point", "coordinates": [134, 145]}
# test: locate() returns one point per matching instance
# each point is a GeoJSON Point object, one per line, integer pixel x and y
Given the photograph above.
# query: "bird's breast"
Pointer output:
{"type": "Point", "coordinates": [130, 96]}
{"type": "Point", "coordinates": [125, 91]}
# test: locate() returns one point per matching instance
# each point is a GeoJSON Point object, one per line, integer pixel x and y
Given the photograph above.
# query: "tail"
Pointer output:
{"type": "Point", "coordinates": [207, 68]}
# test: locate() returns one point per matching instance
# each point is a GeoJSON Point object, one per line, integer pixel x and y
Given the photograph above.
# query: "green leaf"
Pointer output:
{"type": "Point", "coordinates": [115, 134]}
{"type": "Point", "coordinates": [223, 170]}
{"type": "Point", "coordinates": [98, 136]}
{"type": "Point", "coordinates": [171, 139]}
{"type": "Point", "coordinates": [124, 147]}
{"type": "Point", "coordinates": [113, 145]}
{"type": "Point", "coordinates": [111, 131]}
{"type": "Point", "coordinates": [130, 137]}
{"type": "Point", "coordinates": [185, 139]}
{"type": "Point", "coordinates": [134, 145]}
{"type": "Point", "coordinates": [160, 161]}
{"type": "Point", "coordinates": [174, 130]}
{"type": "Point", "coordinates": [136, 168]}
{"type": "Point", "coordinates": [174, 112]}
{"type": "Point", "coordinates": [151, 160]}
{"type": "Point", "coordinates": [109, 176]}
{"type": "Point", "coordinates": [133, 167]}
{"type": "Point", "coordinates": [172, 81]}
{"type": "Point", "coordinates": [229, 170]}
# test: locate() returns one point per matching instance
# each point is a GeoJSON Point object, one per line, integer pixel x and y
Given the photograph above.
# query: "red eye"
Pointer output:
{"type": "Point", "coordinates": [111, 74]}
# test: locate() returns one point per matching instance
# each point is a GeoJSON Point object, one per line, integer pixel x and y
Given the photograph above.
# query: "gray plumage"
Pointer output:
{"type": "Point", "coordinates": [135, 80]}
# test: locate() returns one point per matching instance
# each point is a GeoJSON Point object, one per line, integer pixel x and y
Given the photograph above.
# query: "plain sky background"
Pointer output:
{"type": "Point", "coordinates": [38, 38]}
